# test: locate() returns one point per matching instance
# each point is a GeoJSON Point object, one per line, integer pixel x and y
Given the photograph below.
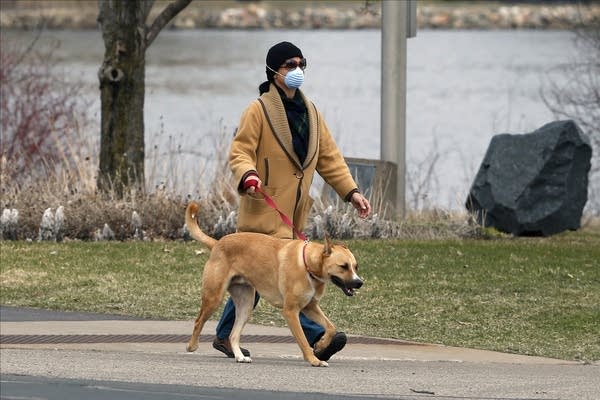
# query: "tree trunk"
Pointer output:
{"type": "Point", "coordinates": [122, 94]}
{"type": "Point", "coordinates": [122, 85]}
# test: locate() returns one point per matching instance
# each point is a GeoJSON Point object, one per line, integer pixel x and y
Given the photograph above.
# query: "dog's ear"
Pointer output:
{"type": "Point", "coordinates": [327, 247]}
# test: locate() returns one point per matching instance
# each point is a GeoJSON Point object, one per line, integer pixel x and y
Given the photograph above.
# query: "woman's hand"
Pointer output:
{"type": "Point", "coordinates": [251, 183]}
{"type": "Point", "coordinates": [361, 204]}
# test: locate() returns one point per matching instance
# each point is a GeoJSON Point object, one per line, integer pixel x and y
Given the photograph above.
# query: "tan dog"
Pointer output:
{"type": "Point", "coordinates": [289, 274]}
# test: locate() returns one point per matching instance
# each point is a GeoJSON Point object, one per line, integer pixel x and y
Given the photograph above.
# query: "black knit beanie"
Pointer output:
{"type": "Point", "coordinates": [276, 56]}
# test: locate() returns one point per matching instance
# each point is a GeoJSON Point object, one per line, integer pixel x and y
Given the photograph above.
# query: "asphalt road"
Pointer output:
{"type": "Point", "coordinates": [361, 371]}
{"type": "Point", "coordinates": [24, 387]}
{"type": "Point", "coordinates": [20, 387]}
{"type": "Point", "coordinates": [13, 387]}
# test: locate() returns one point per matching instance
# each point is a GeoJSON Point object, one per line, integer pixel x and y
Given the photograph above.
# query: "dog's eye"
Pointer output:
{"type": "Point", "coordinates": [356, 267]}
{"type": "Point", "coordinates": [345, 267]}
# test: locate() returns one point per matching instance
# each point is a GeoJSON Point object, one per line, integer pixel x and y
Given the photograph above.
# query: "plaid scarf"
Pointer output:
{"type": "Point", "coordinates": [297, 117]}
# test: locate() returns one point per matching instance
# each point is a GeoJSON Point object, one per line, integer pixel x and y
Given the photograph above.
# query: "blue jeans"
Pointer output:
{"type": "Point", "coordinates": [312, 330]}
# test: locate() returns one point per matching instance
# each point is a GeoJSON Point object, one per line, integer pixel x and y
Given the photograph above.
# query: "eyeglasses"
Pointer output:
{"type": "Point", "coordinates": [293, 64]}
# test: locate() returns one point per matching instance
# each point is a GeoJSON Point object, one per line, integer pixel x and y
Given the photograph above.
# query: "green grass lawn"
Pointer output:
{"type": "Point", "coordinates": [537, 296]}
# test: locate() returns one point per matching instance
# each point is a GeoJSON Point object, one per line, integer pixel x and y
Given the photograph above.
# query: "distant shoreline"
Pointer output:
{"type": "Point", "coordinates": [264, 16]}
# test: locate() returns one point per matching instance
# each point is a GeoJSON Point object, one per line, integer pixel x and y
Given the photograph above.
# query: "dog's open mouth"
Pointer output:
{"type": "Point", "coordinates": [348, 291]}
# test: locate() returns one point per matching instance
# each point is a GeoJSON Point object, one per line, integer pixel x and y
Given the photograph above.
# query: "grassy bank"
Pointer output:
{"type": "Point", "coordinates": [527, 296]}
{"type": "Point", "coordinates": [311, 14]}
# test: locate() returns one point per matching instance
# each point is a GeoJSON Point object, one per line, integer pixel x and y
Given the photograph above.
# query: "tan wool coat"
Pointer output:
{"type": "Point", "coordinates": [263, 144]}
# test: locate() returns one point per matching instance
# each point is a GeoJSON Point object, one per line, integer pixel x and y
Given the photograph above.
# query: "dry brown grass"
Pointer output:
{"type": "Point", "coordinates": [86, 212]}
{"type": "Point", "coordinates": [162, 213]}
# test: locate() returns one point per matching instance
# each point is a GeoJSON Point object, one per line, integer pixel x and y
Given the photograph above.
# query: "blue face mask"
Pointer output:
{"type": "Point", "coordinates": [294, 78]}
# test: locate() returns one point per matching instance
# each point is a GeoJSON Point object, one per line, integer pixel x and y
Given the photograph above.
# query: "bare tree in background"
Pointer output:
{"type": "Point", "coordinates": [126, 38]}
{"type": "Point", "coordinates": [577, 95]}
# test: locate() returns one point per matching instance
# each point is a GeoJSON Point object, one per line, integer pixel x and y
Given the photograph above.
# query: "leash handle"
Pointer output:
{"type": "Point", "coordinates": [283, 217]}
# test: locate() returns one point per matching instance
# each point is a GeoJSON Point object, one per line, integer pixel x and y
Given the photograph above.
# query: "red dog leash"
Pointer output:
{"type": "Point", "coordinates": [284, 217]}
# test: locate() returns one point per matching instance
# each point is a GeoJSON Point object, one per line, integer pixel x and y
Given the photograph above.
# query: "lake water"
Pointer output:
{"type": "Point", "coordinates": [462, 88]}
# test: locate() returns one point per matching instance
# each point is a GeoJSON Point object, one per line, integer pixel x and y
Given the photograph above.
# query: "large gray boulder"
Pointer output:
{"type": "Point", "coordinates": [533, 184]}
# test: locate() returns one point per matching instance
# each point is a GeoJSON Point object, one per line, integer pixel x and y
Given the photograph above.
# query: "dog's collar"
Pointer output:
{"type": "Point", "coordinates": [313, 276]}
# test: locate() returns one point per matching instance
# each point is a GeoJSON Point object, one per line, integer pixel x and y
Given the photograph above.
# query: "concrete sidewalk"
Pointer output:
{"type": "Point", "coordinates": [367, 366]}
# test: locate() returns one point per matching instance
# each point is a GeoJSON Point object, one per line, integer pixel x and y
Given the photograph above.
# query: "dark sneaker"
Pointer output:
{"type": "Point", "coordinates": [337, 343]}
{"type": "Point", "coordinates": [224, 346]}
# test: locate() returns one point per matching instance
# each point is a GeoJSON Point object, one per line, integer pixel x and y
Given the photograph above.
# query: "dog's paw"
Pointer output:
{"type": "Point", "coordinates": [243, 359]}
{"type": "Point", "coordinates": [320, 363]}
{"type": "Point", "coordinates": [191, 347]}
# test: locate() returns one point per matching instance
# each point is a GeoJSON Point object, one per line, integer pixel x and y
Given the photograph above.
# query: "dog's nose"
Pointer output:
{"type": "Point", "coordinates": [356, 283]}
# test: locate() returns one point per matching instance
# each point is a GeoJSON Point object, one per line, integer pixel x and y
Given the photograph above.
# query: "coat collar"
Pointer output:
{"type": "Point", "coordinates": [275, 113]}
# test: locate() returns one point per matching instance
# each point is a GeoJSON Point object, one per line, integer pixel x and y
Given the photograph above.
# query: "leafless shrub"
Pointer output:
{"type": "Point", "coordinates": [219, 198]}
{"type": "Point", "coordinates": [9, 224]}
{"type": "Point", "coordinates": [86, 213]}
{"type": "Point", "coordinates": [336, 221]}
{"type": "Point", "coordinates": [340, 220]}
{"type": "Point", "coordinates": [421, 179]}
{"type": "Point", "coordinates": [41, 115]}
{"type": "Point", "coordinates": [576, 95]}
{"type": "Point", "coordinates": [159, 214]}
{"type": "Point", "coordinates": [218, 206]}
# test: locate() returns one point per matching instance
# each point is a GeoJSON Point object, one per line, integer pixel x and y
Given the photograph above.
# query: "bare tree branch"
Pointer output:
{"type": "Point", "coordinates": [145, 8]}
{"type": "Point", "coordinates": [573, 90]}
{"type": "Point", "coordinates": [164, 18]}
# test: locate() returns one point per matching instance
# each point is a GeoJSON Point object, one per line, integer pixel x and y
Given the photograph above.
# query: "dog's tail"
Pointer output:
{"type": "Point", "coordinates": [191, 213]}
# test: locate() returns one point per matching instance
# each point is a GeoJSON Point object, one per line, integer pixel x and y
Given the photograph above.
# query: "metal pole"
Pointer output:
{"type": "Point", "coordinates": [393, 92]}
